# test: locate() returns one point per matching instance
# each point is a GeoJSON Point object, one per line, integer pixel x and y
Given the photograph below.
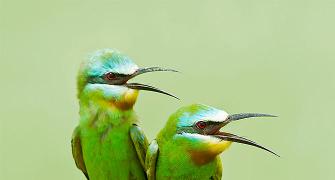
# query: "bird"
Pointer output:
{"type": "Point", "coordinates": [108, 143]}
{"type": "Point", "coordinates": [189, 145]}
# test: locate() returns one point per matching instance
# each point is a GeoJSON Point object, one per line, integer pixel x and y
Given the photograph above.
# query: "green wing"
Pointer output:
{"type": "Point", "coordinates": [140, 142]}
{"type": "Point", "coordinates": [151, 159]}
{"type": "Point", "coordinates": [77, 152]}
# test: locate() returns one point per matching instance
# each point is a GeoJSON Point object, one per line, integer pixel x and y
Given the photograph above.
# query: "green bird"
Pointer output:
{"type": "Point", "coordinates": [108, 143]}
{"type": "Point", "coordinates": [189, 145]}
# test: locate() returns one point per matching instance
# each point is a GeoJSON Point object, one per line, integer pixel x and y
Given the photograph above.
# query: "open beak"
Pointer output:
{"type": "Point", "coordinates": [238, 139]}
{"type": "Point", "coordinates": [148, 87]}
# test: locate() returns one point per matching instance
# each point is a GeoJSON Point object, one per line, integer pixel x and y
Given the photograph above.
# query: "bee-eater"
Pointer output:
{"type": "Point", "coordinates": [108, 143]}
{"type": "Point", "coordinates": [189, 145]}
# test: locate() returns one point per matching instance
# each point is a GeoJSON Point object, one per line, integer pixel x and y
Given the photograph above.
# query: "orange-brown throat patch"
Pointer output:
{"type": "Point", "coordinates": [127, 101]}
{"type": "Point", "coordinates": [123, 105]}
{"type": "Point", "coordinates": [202, 157]}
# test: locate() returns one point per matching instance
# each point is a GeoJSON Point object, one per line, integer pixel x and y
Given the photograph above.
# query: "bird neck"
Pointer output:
{"type": "Point", "coordinates": [199, 152]}
{"type": "Point", "coordinates": [177, 155]}
{"type": "Point", "coordinates": [204, 156]}
{"type": "Point", "coordinates": [98, 114]}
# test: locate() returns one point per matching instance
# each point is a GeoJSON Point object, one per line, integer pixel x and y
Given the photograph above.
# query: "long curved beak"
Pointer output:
{"type": "Point", "coordinates": [238, 139]}
{"type": "Point", "coordinates": [151, 69]}
{"type": "Point", "coordinates": [149, 87]}
{"type": "Point", "coordinates": [239, 116]}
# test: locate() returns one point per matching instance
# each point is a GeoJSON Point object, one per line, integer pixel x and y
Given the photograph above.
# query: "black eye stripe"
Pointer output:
{"type": "Point", "coordinates": [102, 78]}
{"type": "Point", "coordinates": [212, 123]}
{"type": "Point", "coordinates": [120, 75]}
{"type": "Point", "coordinates": [208, 122]}
{"type": "Point", "coordinates": [95, 80]}
{"type": "Point", "coordinates": [116, 74]}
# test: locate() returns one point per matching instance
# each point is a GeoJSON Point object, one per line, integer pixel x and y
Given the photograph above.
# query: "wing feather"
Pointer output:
{"type": "Point", "coordinates": [77, 151]}
{"type": "Point", "coordinates": [151, 159]}
{"type": "Point", "coordinates": [140, 142]}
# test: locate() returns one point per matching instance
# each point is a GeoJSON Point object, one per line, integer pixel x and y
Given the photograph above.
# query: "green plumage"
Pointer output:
{"type": "Point", "coordinates": [190, 144]}
{"type": "Point", "coordinates": [107, 147]}
{"type": "Point", "coordinates": [169, 156]}
{"type": "Point", "coordinates": [174, 163]}
{"type": "Point", "coordinates": [107, 143]}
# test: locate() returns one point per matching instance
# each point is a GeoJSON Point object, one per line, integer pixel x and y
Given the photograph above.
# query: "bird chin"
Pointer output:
{"type": "Point", "coordinates": [125, 99]}
{"type": "Point", "coordinates": [117, 96]}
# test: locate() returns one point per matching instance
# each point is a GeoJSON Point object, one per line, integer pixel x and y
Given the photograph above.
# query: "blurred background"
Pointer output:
{"type": "Point", "coordinates": [265, 56]}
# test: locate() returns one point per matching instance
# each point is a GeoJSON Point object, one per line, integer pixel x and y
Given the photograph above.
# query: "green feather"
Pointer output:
{"type": "Point", "coordinates": [170, 156]}
{"type": "Point", "coordinates": [107, 144]}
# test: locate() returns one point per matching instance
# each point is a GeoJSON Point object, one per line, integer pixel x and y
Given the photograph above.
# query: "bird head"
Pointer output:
{"type": "Point", "coordinates": [104, 78]}
{"type": "Point", "coordinates": [198, 128]}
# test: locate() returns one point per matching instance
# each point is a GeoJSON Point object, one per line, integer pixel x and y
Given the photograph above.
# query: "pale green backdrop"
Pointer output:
{"type": "Point", "coordinates": [272, 56]}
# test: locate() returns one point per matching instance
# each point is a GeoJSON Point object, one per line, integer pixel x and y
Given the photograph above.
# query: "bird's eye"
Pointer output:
{"type": "Point", "coordinates": [110, 76]}
{"type": "Point", "coordinates": [201, 124]}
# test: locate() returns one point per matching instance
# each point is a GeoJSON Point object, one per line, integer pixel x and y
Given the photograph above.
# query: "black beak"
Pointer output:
{"type": "Point", "coordinates": [152, 69]}
{"type": "Point", "coordinates": [148, 87]}
{"type": "Point", "coordinates": [234, 138]}
{"type": "Point", "coordinates": [235, 117]}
